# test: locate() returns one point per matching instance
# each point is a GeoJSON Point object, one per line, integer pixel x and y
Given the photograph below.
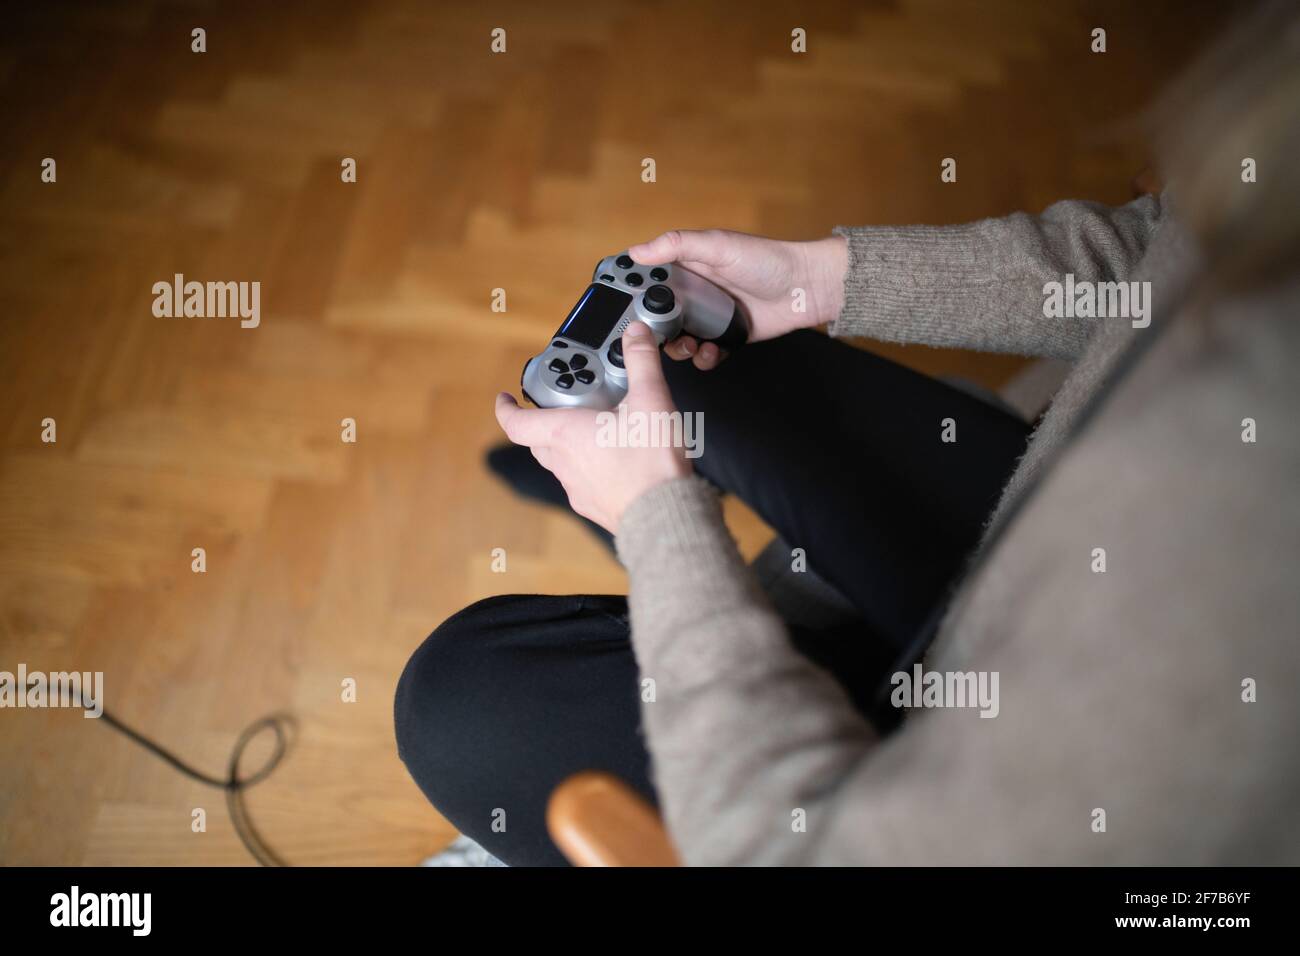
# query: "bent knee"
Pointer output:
{"type": "Point", "coordinates": [471, 672]}
{"type": "Point", "coordinates": [437, 667]}
{"type": "Point", "coordinates": [456, 667]}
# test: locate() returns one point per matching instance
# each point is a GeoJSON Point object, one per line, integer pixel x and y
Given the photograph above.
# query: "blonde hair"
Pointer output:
{"type": "Point", "coordinates": [1240, 101]}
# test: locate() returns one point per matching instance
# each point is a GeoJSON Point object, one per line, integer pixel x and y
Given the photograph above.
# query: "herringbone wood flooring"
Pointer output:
{"type": "Point", "coordinates": [328, 560]}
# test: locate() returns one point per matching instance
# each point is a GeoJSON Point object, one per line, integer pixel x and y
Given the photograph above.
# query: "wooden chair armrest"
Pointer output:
{"type": "Point", "coordinates": [597, 820]}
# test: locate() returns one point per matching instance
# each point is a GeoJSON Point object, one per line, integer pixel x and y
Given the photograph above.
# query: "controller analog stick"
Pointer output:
{"type": "Point", "coordinates": [616, 353]}
{"type": "Point", "coordinates": [659, 299]}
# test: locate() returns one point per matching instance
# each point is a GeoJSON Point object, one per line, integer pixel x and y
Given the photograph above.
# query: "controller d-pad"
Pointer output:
{"type": "Point", "coordinates": [564, 381]}
{"type": "Point", "coordinates": [559, 365]}
{"type": "Point", "coordinates": [586, 376]}
{"type": "Point", "coordinates": [577, 362]}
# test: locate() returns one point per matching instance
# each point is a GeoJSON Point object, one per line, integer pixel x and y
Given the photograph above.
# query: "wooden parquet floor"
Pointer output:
{"type": "Point", "coordinates": [327, 560]}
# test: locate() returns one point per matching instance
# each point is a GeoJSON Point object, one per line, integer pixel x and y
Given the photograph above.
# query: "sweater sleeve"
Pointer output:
{"type": "Point", "coordinates": [980, 285]}
{"type": "Point", "coordinates": [723, 665]}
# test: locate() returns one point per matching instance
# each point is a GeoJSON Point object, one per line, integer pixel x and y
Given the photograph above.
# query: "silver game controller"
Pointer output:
{"type": "Point", "coordinates": [583, 364]}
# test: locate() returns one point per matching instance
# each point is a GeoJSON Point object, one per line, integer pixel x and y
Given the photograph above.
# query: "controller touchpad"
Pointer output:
{"type": "Point", "coordinates": [595, 315]}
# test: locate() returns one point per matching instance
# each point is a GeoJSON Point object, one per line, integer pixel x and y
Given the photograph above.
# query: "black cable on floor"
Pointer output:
{"type": "Point", "coordinates": [233, 784]}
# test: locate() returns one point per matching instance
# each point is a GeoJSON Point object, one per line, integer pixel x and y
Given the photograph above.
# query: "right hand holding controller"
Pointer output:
{"type": "Point", "coordinates": [700, 293]}
{"type": "Point", "coordinates": [761, 274]}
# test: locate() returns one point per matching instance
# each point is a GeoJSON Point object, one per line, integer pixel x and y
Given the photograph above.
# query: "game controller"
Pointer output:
{"type": "Point", "coordinates": [583, 364]}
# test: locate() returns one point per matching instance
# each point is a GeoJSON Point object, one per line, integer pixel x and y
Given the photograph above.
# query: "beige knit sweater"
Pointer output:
{"type": "Point", "coordinates": [1147, 713]}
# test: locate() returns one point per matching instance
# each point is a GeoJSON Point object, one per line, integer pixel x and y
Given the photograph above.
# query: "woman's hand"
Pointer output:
{"type": "Point", "coordinates": [761, 274]}
{"type": "Point", "coordinates": [602, 477]}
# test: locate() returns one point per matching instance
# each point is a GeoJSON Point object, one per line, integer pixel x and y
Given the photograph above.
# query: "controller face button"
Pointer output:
{"type": "Point", "coordinates": [658, 274]}
{"type": "Point", "coordinates": [659, 299]}
{"type": "Point", "coordinates": [577, 362]}
{"type": "Point", "coordinates": [586, 376]}
{"type": "Point", "coordinates": [634, 279]}
{"type": "Point", "coordinates": [558, 365]}
{"type": "Point", "coordinates": [564, 381]}
{"type": "Point", "coordinates": [624, 262]}
{"type": "Point", "coordinates": [616, 354]}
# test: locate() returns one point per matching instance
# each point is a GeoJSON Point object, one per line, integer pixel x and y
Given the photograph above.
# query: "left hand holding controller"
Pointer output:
{"type": "Point", "coordinates": [601, 479]}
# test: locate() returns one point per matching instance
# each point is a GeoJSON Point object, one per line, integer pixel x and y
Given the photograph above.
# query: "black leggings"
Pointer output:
{"type": "Point", "coordinates": [837, 449]}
